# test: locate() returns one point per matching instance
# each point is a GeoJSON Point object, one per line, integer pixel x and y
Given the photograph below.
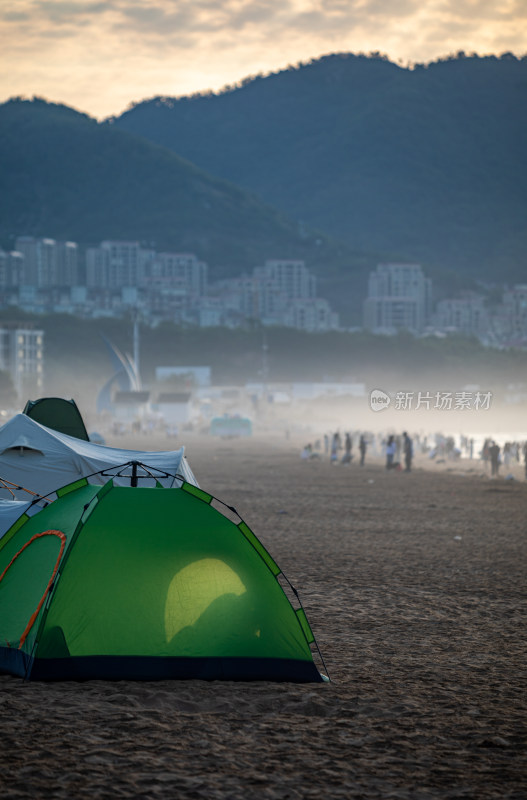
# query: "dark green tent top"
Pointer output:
{"type": "Point", "coordinates": [127, 583]}
{"type": "Point", "coordinates": [59, 415]}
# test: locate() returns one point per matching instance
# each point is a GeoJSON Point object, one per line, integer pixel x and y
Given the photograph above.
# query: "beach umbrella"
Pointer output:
{"type": "Point", "coordinates": [141, 583]}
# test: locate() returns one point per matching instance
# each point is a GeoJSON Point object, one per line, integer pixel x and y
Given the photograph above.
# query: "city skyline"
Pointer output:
{"type": "Point", "coordinates": [44, 275]}
{"type": "Point", "coordinates": [99, 56]}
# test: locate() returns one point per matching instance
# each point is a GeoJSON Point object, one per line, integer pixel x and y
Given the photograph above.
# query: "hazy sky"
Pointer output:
{"type": "Point", "coordinates": [100, 55]}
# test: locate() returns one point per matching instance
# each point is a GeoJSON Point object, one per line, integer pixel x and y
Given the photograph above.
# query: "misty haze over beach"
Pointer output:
{"type": "Point", "coordinates": [283, 247]}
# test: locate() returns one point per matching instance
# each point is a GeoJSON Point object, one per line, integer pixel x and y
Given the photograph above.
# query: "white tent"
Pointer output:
{"type": "Point", "coordinates": [42, 460]}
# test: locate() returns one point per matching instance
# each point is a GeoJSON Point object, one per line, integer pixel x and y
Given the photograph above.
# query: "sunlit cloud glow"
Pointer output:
{"type": "Point", "coordinates": [101, 55]}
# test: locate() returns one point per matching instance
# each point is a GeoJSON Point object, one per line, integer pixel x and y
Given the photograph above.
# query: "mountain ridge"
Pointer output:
{"type": "Point", "coordinates": [68, 177]}
{"type": "Point", "coordinates": [359, 182]}
{"type": "Point", "coordinates": [427, 162]}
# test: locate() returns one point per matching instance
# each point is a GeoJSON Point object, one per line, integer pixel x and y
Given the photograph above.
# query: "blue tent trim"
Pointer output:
{"type": "Point", "coordinates": [14, 662]}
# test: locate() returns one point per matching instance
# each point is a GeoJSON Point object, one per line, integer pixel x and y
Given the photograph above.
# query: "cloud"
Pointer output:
{"type": "Point", "coordinates": [68, 11]}
{"type": "Point", "coordinates": [114, 51]}
{"type": "Point", "coordinates": [199, 16]}
{"type": "Point", "coordinates": [15, 16]}
{"type": "Point", "coordinates": [163, 17]}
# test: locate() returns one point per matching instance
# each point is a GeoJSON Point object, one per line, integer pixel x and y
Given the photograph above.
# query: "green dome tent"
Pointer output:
{"type": "Point", "coordinates": [58, 414]}
{"type": "Point", "coordinates": [118, 582]}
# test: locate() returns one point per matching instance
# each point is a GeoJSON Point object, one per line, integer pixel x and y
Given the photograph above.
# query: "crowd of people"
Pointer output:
{"type": "Point", "coordinates": [339, 448]}
{"type": "Point", "coordinates": [510, 453]}
{"type": "Point", "coordinates": [398, 450]}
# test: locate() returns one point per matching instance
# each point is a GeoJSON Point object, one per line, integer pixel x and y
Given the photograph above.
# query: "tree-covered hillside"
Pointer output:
{"type": "Point", "coordinates": [65, 176]}
{"type": "Point", "coordinates": [428, 163]}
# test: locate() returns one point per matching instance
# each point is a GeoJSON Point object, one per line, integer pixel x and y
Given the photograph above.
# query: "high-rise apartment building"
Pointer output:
{"type": "Point", "coordinates": [68, 273]}
{"type": "Point", "coordinates": [22, 355]}
{"type": "Point", "coordinates": [179, 269]}
{"type": "Point", "coordinates": [47, 263]}
{"type": "Point", "coordinates": [291, 277]}
{"type": "Point", "coordinates": [511, 319]}
{"type": "Point", "coordinates": [11, 269]}
{"type": "Point", "coordinates": [311, 315]}
{"type": "Point", "coordinates": [466, 314]}
{"type": "Point", "coordinates": [399, 297]}
{"type": "Point", "coordinates": [281, 292]}
{"type": "Point", "coordinates": [40, 261]}
{"type": "Point", "coordinates": [115, 264]}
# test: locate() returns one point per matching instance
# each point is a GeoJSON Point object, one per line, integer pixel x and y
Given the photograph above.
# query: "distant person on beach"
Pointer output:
{"type": "Point", "coordinates": [308, 453]}
{"type": "Point", "coordinates": [334, 448]}
{"type": "Point", "coordinates": [390, 452]}
{"type": "Point", "coordinates": [408, 450]}
{"type": "Point", "coordinates": [362, 449]}
{"type": "Point", "coordinates": [494, 454]}
{"type": "Point", "coordinates": [485, 452]}
{"type": "Point", "coordinates": [348, 444]}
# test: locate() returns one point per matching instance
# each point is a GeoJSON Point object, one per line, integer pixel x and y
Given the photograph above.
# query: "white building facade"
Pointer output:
{"type": "Point", "coordinates": [11, 269]}
{"type": "Point", "coordinates": [514, 312]}
{"type": "Point", "coordinates": [115, 264]}
{"type": "Point", "coordinates": [45, 276]}
{"type": "Point", "coordinates": [22, 355]}
{"type": "Point", "coordinates": [399, 298]}
{"type": "Point", "coordinates": [465, 314]}
{"type": "Point", "coordinates": [281, 292]}
{"type": "Point", "coordinates": [47, 263]}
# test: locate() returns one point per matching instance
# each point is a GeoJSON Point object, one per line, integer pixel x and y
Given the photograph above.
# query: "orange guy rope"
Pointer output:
{"type": "Point", "coordinates": [35, 614]}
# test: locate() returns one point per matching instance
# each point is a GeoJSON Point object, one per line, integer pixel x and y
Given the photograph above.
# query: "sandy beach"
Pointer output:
{"type": "Point", "coordinates": [415, 588]}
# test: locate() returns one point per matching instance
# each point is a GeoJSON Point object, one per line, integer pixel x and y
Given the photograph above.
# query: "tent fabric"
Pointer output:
{"type": "Point", "coordinates": [10, 511]}
{"type": "Point", "coordinates": [43, 459]}
{"type": "Point", "coordinates": [59, 414]}
{"type": "Point", "coordinates": [140, 583]}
